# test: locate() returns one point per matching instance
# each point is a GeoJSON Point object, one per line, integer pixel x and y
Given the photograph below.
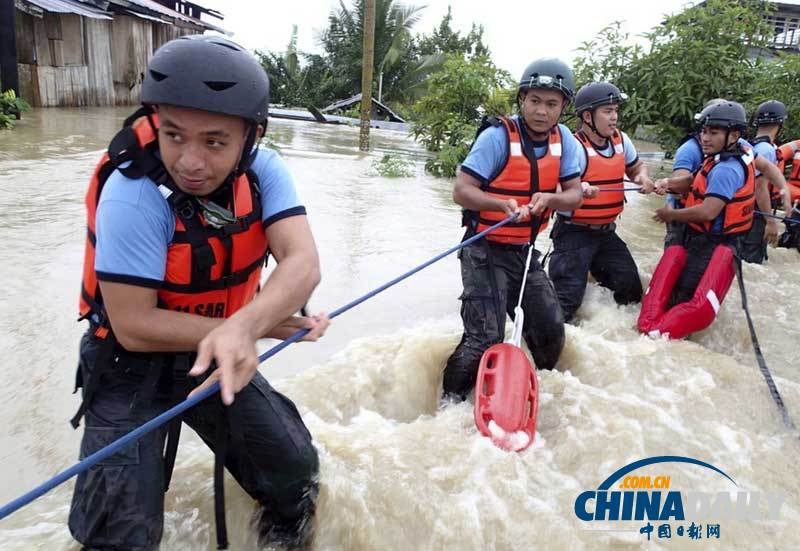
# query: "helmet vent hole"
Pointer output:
{"type": "Point", "coordinates": [229, 46]}
{"type": "Point", "coordinates": [158, 77]}
{"type": "Point", "coordinates": [219, 86]}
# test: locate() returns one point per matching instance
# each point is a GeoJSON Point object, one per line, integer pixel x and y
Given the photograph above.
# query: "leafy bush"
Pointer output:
{"type": "Point", "coordinates": [11, 107]}
{"type": "Point", "coordinates": [394, 166]}
{"type": "Point", "coordinates": [459, 95]}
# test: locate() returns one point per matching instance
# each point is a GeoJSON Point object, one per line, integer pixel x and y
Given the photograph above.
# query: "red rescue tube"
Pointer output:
{"type": "Point", "coordinates": [698, 313]}
{"type": "Point", "coordinates": [655, 300]}
{"type": "Point", "coordinates": [506, 397]}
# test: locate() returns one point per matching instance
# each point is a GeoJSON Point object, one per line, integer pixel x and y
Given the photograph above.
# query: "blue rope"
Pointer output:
{"type": "Point", "coordinates": [776, 217]}
{"type": "Point", "coordinates": [137, 433]}
{"type": "Point", "coordinates": [623, 189]}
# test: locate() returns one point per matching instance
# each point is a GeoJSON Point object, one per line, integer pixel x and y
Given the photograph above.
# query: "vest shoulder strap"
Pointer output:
{"type": "Point", "coordinates": [488, 121]}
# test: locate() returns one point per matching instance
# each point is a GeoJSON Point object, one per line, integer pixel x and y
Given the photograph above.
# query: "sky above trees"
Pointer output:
{"type": "Point", "coordinates": [516, 31]}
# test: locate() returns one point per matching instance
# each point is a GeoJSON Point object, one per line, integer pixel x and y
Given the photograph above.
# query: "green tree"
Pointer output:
{"type": "Point", "coordinates": [612, 58]}
{"type": "Point", "coordinates": [707, 51]}
{"type": "Point", "coordinates": [780, 80]}
{"type": "Point", "coordinates": [448, 116]}
{"type": "Point", "coordinates": [444, 40]}
{"type": "Point", "coordinates": [297, 79]}
{"type": "Point", "coordinates": [395, 54]}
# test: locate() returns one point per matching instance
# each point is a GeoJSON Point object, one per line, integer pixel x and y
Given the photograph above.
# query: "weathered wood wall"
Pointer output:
{"type": "Point", "coordinates": [100, 81]}
{"type": "Point", "coordinates": [131, 49]}
{"type": "Point", "coordinates": [70, 60]}
{"type": "Point", "coordinates": [63, 86]}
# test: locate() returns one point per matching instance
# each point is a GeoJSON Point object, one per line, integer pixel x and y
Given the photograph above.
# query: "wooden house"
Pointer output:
{"type": "Point", "coordinates": [93, 52]}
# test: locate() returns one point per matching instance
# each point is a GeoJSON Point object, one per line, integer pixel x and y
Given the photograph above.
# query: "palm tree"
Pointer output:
{"type": "Point", "coordinates": [396, 66]}
{"type": "Point", "coordinates": [366, 73]}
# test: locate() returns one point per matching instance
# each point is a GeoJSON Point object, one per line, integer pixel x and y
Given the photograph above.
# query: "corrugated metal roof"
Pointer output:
{"type": "Point", "coordinates": [147, 17]}
{"type": "Point", "coordinates": [341, 104]}
{"type": "Point", "coordinates": [158, 8]}
{"type": "Point", "coordinates": [68, 6]}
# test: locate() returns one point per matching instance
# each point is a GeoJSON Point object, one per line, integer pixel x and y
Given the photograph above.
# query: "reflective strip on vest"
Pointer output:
{"type": "Point", "coordinates": [793, 182]}
{"type": "Point", "coordinates": [518, 180]}
{"type": "Point", "coordinates": [605, 173]}
{"type": "Point", "coordinates": [738, 212]}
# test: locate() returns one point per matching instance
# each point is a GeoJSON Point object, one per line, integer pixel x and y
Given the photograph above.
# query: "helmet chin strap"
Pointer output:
{"type": "Point", "coordinates": [593, 126]}
{"type": "Point", "coordinates": [247, 158]}
{"type": "Point", "coordinates": [726, 146]}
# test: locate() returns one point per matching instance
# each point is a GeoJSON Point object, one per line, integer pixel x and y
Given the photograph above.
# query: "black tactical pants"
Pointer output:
{"type": "Point", "coordinates": [492, 276]}
{"type": "Point", "coordinates": [790, 238]}
{"type": "Point", "coordinates": [753, 246]}
{"type": "Point", "coordinates": [676, 234]}
{"type": "Point", "coordinates": [119, 503]}
{"type": "Point", "coordinates": [579, 250]}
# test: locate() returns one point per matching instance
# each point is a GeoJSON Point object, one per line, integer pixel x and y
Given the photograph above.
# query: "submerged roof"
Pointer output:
{"type": "Point", "coordinates": [345, 103]}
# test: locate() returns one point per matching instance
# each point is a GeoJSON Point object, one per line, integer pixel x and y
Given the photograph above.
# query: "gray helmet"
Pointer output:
{"type": "Point", "coordinates": [207, 72]}
{"type": "Point", "coordinates": [596, 94]}
{"type": "Point", "coordinates": [770, 112]}
{"type": "Point", "coordinates": [548, 73]}
{"type": "Point", "coordinates": [699, 116]}
{"type": "Point", "coordinates": [724, 114]}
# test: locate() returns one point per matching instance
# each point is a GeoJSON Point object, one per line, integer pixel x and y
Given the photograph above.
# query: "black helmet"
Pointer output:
{"type": "Point", "coordinates": [210, 73]}
{"type": "Point", "coordinates": [724, 114]}
{"type": "Point", "coordinates": [548, 73]}
{"type": "Point", "coordinates": [596, 94]}
{"type": "Point", "coordinates": [770, 112]}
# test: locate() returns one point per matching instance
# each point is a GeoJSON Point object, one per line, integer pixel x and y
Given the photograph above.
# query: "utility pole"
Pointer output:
{"type": "Point", "coordinates": [9, 78]}
{"type": "Point", "coordinates": [366, 73]}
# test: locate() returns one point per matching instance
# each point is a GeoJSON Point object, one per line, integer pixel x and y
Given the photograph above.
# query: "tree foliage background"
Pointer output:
{"type": "Point", "coordinates": [403, 61]}
{"type": "Point", "coordinates": [446, 81]}
{"type": "Point", "coordinates": [717, 49]}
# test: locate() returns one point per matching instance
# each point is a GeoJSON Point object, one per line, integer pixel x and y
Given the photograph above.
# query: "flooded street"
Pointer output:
{"type": "Point", "coordinates": [395, 472]}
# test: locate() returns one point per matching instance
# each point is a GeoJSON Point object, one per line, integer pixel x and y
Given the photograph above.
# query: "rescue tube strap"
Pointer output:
{"type": "Point", "coordinates": [762, 364]}
{"type": "Point", "coordinates": [171, 450]}
{"type": "Point", "coordinates": [220, 451]}
{"type": "Point", "coordinates": [499, 315]}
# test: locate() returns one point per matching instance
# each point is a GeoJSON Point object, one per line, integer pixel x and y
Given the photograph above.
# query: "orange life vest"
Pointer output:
{"type": "Point", "coordinates": [738, 212]}
{"type": "Point", "coordinates": [605, 173]}
{"type": "Point", "coordinates": [520, 178]}
{"type": "Point", "coordinates": [210, 271]}
{"type": "Point", "coordinates": [790, 154]}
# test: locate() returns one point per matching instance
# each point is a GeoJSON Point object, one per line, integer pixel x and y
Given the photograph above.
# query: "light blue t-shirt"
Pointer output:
{"type": "Point", "coordinates": [689, 156]}
{"type": "Point", "coordinates": [724, 181]}
{"type": "Point", "coordinates": [135, 224]}
{"type": "Point", "coordinates": [489, 153]}
{"type": "Point", "coordinates": [766, 150]}
{"type": "Point", "coordinates": [631, 155]}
